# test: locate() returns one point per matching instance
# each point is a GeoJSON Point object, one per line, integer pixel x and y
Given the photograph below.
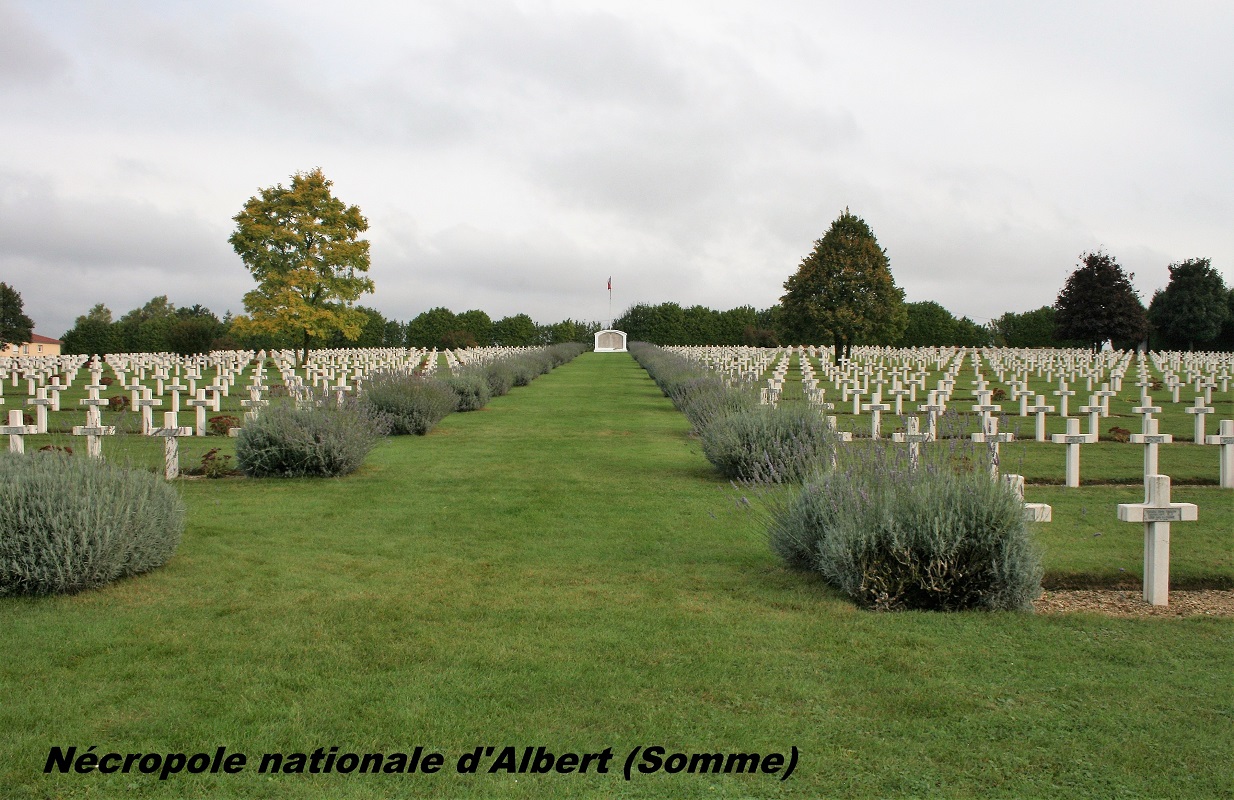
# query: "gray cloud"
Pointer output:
{"type": "Point", "coordinates": [511, 156]}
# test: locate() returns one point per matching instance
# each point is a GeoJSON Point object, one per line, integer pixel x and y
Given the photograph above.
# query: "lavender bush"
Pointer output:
{"type": "Point", "coordinates": [894, 538]}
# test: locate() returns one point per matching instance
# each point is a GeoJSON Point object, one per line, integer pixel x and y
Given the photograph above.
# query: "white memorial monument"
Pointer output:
{"type": "Point", "coordinates": [610, 341]}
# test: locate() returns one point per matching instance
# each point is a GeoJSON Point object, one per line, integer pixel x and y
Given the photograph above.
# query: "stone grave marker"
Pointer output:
{"type": "Point", "coordinates": [1225, 440]}
{"type": "Point", "coordinates": [171, 431]}
{"type": "Point", "coordinates": [1156, 513]}
{"type": "Point", "coordinates": [1033, 512]}
{"type": "Point", "coordinates": [913, 436]}
{"type": "Point", "coordinates": [1074, 440]}
{"type": "Point", "coordinates": [1199, 410]}
{"type": "Point", "coordinates": [16, 430]}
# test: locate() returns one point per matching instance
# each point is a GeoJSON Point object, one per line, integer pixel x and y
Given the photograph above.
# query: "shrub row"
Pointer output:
{"type": "Point", "coordinates": [742, 439]}
{"type": "Point", "coordinates": [68, 524]}
{"type": "Point", "coordinates": [324, 437]}
{"type": "Point", "coordinates": [888, 536]}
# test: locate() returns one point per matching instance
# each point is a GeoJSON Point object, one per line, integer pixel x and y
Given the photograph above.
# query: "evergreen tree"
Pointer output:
{"type": "Point", "coordinates": [843, 291]}
{"type": "Point", "coordinates": [1098, 303]}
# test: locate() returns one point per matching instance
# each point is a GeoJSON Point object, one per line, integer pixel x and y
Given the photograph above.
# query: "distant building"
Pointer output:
{"type": "Point", "coordinates": [37, 346]}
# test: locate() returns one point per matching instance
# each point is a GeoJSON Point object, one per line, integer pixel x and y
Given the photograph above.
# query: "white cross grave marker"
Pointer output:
{"type": "Point", "coordinates": [94, 430]}
{"type": "Point", "coordinates": [170, 432]}
{"type": "Point", "coordinates": [1150, 438]}
{"type": "Point", "coordinates": [1040, 409]}
{"type": "Point", "coordinates": [841, 436]}
{"type": "Point", "coordinates": [1033, 512]}
{"type": "Point", "coordinates": [41, 403]}
{"type": "Point", "coordinates": [1073, 439]}
{"type": "Point", "coordinates": [992, 438]}
{"type": "Point", "coordinates": [876, 407]}
{"type": "Point", "coordinates": [1157, 512]}
{"type": "Point", "coordinates": [199, 403]}
{"type": "Point", "coordinates": [914, 437]}
{"type": "Point", "coordinates": [1200, 411]}
{"type": "Point", "coordinates": [1062, 394]}
{"type": "Point", "coordinates": [1093, 410]}
{"type": "Point", "coordinates": [147, 403]}
{"type": "Point", "coordinates": [16, 429]}
{"type": "Point", "coordinates": [933, 408]}
{"type": "Point", "coordinates": [1225, 440]}
{"type": "Point", "coordinates": [1147, 409]}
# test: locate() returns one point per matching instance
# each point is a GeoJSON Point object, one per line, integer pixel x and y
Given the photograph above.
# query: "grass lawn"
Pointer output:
{"type": "Point", "coordinates": [564, 569]}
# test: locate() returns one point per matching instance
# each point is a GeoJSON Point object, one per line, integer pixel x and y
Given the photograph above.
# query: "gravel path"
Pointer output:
{"type": "Point", "coordinates": [1131, 603]}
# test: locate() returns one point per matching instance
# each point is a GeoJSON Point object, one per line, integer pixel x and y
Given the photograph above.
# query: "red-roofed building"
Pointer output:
{"type": "Point", "coordinates": [37, 346]}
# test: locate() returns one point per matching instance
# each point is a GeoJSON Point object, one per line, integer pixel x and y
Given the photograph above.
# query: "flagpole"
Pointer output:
{"type": "Point", "coordinates": [610, 303]}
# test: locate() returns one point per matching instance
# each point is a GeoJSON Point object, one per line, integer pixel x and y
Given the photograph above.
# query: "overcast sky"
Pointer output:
{"type": "Point", "coordinates": [511, 156]}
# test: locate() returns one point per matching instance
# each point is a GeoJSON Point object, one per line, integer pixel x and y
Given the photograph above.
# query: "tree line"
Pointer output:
{"type": "Point", "coordinates": [303, 248]}
{"type": "Point", "coordinates": [159, 326]}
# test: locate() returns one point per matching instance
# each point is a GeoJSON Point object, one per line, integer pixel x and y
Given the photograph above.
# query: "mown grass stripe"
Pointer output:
{"type": "Point", "coordinates": [564, 569]}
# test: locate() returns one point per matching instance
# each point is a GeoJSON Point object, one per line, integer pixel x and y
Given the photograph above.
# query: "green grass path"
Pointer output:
{"type": "Point", "coordinates": [564, 569]}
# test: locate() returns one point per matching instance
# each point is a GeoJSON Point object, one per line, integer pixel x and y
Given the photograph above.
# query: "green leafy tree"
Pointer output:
{"type": "Point", "coordinates": [15, 326]}
{"type": "Point", "coordinates": [931, 325]}
{"type": "Point", "coordinates": [1028, 329]}
{"type": "Point", "coordinates": [303, 247]}
{"type": "Point", "coordinates": [515, 331]}
{"type": "Point", "coordinates": [478, 324]}
{"type": "Point", "coordinates": [395, 334]}
{"type": "Point", "coordinates": [93, 333]}
{"type": "Point", "coordinates": [1225, 339]}
{"type": "Point", "coordinates": [969, 334]}
{"type": "Point", "coordinates": [1191, 309]}
{"type": "Point", "coordinates": [144, 330]}
{"type": "Point", "coordinates": [428, 328]}
{"type": "Point", "coordinates": [928, 324]}
{"type": "Point", "coordinates": [458, 340]}
{"type": "Point", "coordinates": [731, 324]}
{"type": "Point", "coordinates": [843, 291]}
{"type": "Point", "coordinates": [193, 331]}
{"type": "Point", "coordinates": [1098, 303]}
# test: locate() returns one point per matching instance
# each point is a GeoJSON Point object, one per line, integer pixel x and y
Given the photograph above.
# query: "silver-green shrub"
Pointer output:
{"type": "Point", "coordinates": [524, 371]}
{"type": "Point", "coordinates": [318, 438]}
{"type": "Point", "coordinates": [765, 444]}
{"type": "Point", "coordinates": [894, 538]}
{"type": "Point", "coordinates": [707, 397]}
{"type": "Point", "coordinates": [500, 377]}
{"type": "Point", "coordinates": [407, 404]}
{"type": "Point", "coordinates": [68, 524]}
{"type": "Point", "coordinates": [472, 389]}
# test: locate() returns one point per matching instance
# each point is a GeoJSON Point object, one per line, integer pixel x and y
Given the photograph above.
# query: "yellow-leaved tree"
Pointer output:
{"type": "Point", "coordinates": [304, 249]}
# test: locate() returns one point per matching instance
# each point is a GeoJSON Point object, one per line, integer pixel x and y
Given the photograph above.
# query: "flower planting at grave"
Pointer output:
{"type": "Point", "coordinates": [223, 423]}
{"type": "Point", "coordinates": [215, 464]}
{"type": "Point", "coordinates": [69, 523]}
